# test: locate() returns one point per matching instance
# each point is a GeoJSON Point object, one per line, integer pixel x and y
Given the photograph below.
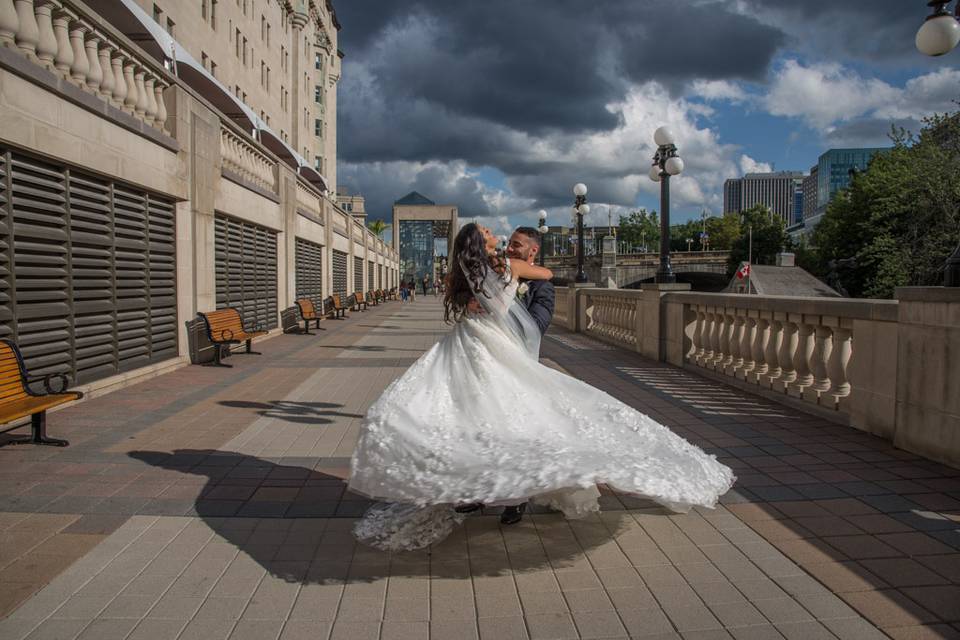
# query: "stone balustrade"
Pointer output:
{"type": "Point", "coordinates": [244, 159]}
{"type": "Point", "coordinates": [612, 315]}
{"type": "Point", "coordinates": [796, 346]}
{"type": "Point", "coordinates": [58, 36]}
{"type": "Point", "coordinates": [308, 200]}
{"type": "Point", "coordinates": [883, 366]}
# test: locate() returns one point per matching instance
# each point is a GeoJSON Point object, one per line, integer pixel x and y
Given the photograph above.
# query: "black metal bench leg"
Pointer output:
{"type": "Point", "coordinates": [217, 361]}
{"type": "Point", "coordinates": [38, 424]}
{"type": "Point", "coordinates": [249, 350]}
{"type": "Point", "coordinates": [306, 327]}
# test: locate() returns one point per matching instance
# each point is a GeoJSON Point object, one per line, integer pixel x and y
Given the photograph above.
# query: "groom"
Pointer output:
{"type": "Point", "coordinates": [525, 244]}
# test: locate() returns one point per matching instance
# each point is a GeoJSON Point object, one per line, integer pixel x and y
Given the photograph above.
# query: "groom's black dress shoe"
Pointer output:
{"type": "Point", "coordinates": [469, 507]}
{"type": "Point", "coordinates": [513, 515]}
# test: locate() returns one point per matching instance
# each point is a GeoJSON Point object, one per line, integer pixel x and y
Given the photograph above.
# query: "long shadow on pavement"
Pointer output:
{"type": "Point", "coordinates": [296, 522]}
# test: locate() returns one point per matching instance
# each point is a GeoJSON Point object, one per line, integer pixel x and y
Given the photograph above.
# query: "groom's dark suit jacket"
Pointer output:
{"type": "Point", "coordinates": [539, 300]}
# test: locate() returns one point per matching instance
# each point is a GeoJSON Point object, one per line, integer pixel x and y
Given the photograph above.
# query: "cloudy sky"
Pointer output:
{"type": "Point", "coordinates": [500, 106]}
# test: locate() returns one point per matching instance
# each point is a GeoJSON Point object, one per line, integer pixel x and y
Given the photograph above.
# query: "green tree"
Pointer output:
{"type": "Point", "coordinates": [723, 231]}
{"type": "Point", "coordinates": [769, 238]}
{"type": "Point", "coordinates": [640, 227]}
{"type": "Point", "coordinates": [378, 227]}
{"type": "Point", "coordinates": [899, 219]}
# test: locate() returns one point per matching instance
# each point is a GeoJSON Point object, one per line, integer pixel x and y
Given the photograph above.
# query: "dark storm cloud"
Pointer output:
{"type": "Point", "coordinates": [538, 66]}
{"type": "Point", "coordinates": [877, 31]}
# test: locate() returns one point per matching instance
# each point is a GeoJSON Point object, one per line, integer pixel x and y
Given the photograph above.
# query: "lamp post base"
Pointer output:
{"type": "Point", "coordinates": [665, 278]}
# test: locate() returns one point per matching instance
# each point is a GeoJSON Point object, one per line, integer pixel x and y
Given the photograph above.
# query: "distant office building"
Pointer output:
{"type": "Point", "coordinates": [810, 193]}
{"type": "Point", "coordinates": [781, 192]}
{"type": "Point", "coordinates": [733, 195]}
{"type": "Point", "coordinates": [834, 170]}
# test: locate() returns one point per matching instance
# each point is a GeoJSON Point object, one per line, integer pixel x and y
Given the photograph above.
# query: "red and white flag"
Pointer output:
{"type": "Point", "coordinates": [743, 271]}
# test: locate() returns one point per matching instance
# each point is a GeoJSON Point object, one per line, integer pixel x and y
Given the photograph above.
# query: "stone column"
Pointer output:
{"type": "Point", "coordinates": [927, 372]}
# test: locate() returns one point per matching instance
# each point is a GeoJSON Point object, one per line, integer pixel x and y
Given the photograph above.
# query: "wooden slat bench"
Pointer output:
{"type": "Point", "coordinates": [18, 400]}
{"type": "Point", "coordinates": [308, 313]}
{"type": "Point", "coordinates": [372, 298]}
{"type": "Point", "coordinates": [337, 306]}
{"type": "Point", "coordinates": [225, 327]}
{"type": "Point", "coordinates": [359, 302]}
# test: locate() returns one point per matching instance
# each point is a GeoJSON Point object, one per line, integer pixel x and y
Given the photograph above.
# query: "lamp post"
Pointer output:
{"type": "Point", "coordinates": [666, 163]}
{"type": "Point", "coordinates": [543, 229]}
{"type": "Point", "coordinates": [939, 35]}
{"type": "Point", "coordinates": [689, 244]}
{"type": "Point", "coordinates": [581, 208]}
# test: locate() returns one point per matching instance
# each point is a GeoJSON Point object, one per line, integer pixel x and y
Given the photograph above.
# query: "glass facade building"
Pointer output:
{"type": "Point", "coordinates": [833, 172]}
{"type": "Point", "coordinates": [417, 249]}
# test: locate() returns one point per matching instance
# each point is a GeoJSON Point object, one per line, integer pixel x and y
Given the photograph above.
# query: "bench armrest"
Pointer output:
{"type": "Point", "coordinates": [47, 382]}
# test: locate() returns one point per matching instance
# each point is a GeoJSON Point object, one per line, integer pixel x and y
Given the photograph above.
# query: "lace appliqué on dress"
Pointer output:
{"type": "Point", "coordinates": [405, 527]}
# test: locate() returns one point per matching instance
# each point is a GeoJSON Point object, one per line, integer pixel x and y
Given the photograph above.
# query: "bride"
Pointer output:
{"type": "Point", "coordinates": [477, 419]}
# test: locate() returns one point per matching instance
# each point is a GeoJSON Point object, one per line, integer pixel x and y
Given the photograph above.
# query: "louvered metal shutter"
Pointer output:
{"type": "Point", "coordinates": [370, 276]}
{"type": "Point", "coordinates": [78, 291]}
{"type": "Point", "coordinates": [309, 276]}
{"type": "Point", "coordinates": [380, 282]}
{"type": "Point", "coordinates": [162, 238]}
{"type": "Point", "coordinates": [357, 274]}
{"type": "Point", "coordinates": [6, 245]}
{"type": "Point", "coordinates": [339, 272]}
{"type": "Point", "coordinates": [246, 270]}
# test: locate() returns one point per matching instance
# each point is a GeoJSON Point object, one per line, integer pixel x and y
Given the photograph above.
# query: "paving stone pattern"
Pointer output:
{"type": "Point", "coordinates": [210, 503]}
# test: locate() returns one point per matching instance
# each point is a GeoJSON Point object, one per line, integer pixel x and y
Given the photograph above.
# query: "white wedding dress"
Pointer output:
{"type": "Point", "coordinates": [478, 419]}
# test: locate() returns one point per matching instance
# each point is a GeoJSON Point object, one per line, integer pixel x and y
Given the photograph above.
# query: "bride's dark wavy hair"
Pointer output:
{"type": "Point", "coordinates": [469, 264]}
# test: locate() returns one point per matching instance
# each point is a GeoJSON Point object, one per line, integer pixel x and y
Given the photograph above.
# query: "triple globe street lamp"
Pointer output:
{"type": "Point", "coordinates": [543, 229]}
{"type": "Point", "coordinates": [580, 208]}
{"type": "Point", "coordinates": [666, 163]}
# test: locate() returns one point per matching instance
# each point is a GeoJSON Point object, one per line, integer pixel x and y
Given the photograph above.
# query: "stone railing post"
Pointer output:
{"type": "Point", "coordinates": [788, 346]}
{"type": "Point", "coordinates": [80, 65]}
{"type": "Point", "coordinates": [95, 73]}
{"type": "Point", "coordinates": [63, 59]}
{"type": "Point", "coordinates": [9, 24]}
{"type": "Point", "coordinates": [820, 359]}
{"type": "Point", "coordinates": [838, 362]}
{"type": "Point", "coordinates": [46, 38]}
{"type": "Point", "coordinates": [28, 33]}
{"type": "Point", "coordinates": [801, 359]}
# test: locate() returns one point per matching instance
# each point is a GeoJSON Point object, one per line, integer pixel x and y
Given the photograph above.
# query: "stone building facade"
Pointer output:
{"type": "Point", "coordinates": [135, 193]}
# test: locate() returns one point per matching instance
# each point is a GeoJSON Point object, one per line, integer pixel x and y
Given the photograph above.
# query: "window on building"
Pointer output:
{"type": "Point", "coordinates": [268, 78]}
{"type": "Point", "coordinates": [237, 42]}
{"type": "Point", "coordinates": [245, 5]}
{"type": "Point", "coordinates": [263, 74]}
{"type": "Point", "coordinates": [157, 15]}
{"type": "Point", "coordinates": [213, 14]}
{"type": "Point", "coordinates": [268, 34]}
{"type": "Point", "coordinates": [318, 127]}
{"type": "Point", "coordinates": [244, 52]}
{"type": "Point", "coordinates": [318, 94]}
{"type": "Point", "coordinates": [170, 27]}
{"type": "Point", "coordinates": [204, 60]}
{"type": "Point", "coordinates": [236, 90]}
{"type": "Point", "coordinates": [318, 61]}
{"type": "Point", "coordinates": [213, 68]}
{"type": "Point", "coordinates": [203, 10]}
{"type": "Point", "coordinates": [318, 164]}
{"type": "Point", "coordinates": [263, 28]}
{"type": "Point", "coordinates": [283, 99]}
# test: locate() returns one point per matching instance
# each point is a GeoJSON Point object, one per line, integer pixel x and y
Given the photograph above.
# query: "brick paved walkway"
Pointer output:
{"type": "Point", "coordinates": [209, 503]}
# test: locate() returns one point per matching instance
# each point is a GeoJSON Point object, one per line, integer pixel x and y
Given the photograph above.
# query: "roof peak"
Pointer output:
{"type": "Point", "coordinates": [415, 198]}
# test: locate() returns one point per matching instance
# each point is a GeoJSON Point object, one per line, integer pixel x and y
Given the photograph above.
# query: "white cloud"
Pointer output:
{"type": "Point", "coordinates": [749, 165]}
{"type": "Point", "coordinates": [720, 90]}
{"type": "Point", "coordinates": [826, 95]}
